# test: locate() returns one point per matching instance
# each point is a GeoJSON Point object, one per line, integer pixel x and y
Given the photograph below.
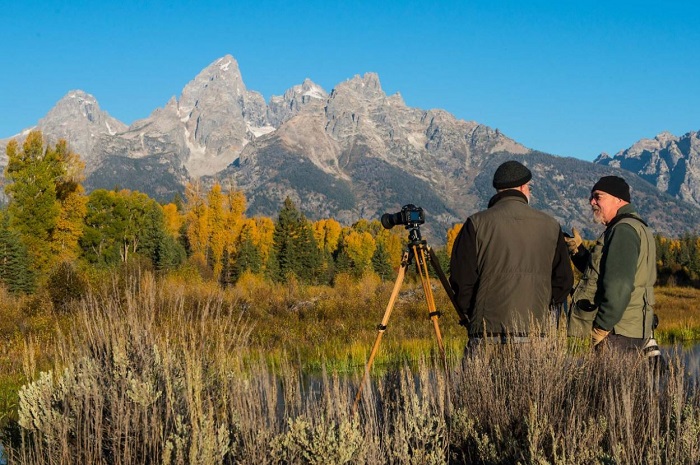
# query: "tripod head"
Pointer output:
{"type": "Point", "coordinates": [414, 236]}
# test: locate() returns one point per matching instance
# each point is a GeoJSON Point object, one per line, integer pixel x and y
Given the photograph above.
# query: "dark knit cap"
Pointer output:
{"type": "Point", "coordinates": [511, 174]}
{"type": "Point", "coordinates": [615, 186]}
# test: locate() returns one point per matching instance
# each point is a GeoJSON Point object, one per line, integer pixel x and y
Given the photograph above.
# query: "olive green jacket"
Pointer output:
{"type": "Point", "coordinates": [616, 292]}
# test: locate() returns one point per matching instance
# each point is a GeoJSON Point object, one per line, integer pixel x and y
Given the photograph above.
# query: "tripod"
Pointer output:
{"type": "Point", "coordinates": [418, 251]}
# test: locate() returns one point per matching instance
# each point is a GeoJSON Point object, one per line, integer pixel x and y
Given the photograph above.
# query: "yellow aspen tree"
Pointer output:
{"type": "Point", "coordinates": [393, 243]}
{"type": "Point", "coordinates": [173, 219]}
{"type": "Point", "coordinates": [72, 203]}
{"type": "Point", "coordinates": [235, 217]}
{"type": "Point", "coordinates": [196, 219]}
{"type": "Point", "coordinates": [217, 227]}
{"type": "Point", "coordinates": [360, 247]}
{"type": "Point", "coordinates": [451, 237]}
{"type": "Point", "coordinates": [327, 234]}
{"type": "Point", "coordinates": [361, 225]}
{"type": "Point", "coordinates": [69, 225]}
{"type": "Point", "coordinates": [265, 228]}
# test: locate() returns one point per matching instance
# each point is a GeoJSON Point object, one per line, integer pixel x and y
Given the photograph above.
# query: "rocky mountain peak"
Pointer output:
{"type": "Point", "coordinates": [356, 153]}
{"type": "Point", "coordinates": [282, 108]}
{"type": "Point", "coordinates": [665, 137]}
{"type": "Point", "coordinates": [221, 79]}
{"type": "Point", "coordinates": [78, 118]}
{"type": "Point", "coordinates": [670, 163]}
{"type": "Point", "coordinates": [79, 107]}
{"type": "Point", "coordinates": [367, 86]}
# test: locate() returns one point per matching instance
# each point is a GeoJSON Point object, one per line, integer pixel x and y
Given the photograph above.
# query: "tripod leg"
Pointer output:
{"type": "Point", "coordinates": [446, 285]}
{"type": "Point", "coordinates": [434, 314]}
{"type": "Point", "coordinates": [429, 298]}
{"type": "Point", "coordinates": [382, 327]}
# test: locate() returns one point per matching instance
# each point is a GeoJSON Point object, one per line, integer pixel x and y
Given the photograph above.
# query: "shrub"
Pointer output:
{"type": "Point", "coordinates": [65, 286]}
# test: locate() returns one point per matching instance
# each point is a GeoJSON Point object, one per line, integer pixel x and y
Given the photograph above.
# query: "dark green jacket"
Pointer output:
{"type": "Point", "coordinates": [508, 264]}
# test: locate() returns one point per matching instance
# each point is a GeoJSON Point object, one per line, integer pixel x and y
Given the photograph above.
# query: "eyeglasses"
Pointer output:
{"type": "Point", "coordinates": [597, 196]}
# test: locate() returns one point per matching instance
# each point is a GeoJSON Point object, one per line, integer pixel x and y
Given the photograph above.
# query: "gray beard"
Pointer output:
{"type": "Point", "coordinates": [598, 217]}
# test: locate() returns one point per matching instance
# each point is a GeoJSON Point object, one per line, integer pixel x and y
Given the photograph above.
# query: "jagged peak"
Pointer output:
{"type": "Point", "coordinates": [77, 97]}
{"type": "Point", "coordinates": [368, 84]}
{"type": "Point", "coordinates": [78, 94]}
{"type": "Point", "coordinates": [665, 137]}
{"type": "Point", "coordinates": [225, 63]}
{"type": "Point", "coordinates": [224, 68]}
{"type": "Point", "coordinates": [601, 156]}
{"type": "Point", "coordinates": [77, 103]}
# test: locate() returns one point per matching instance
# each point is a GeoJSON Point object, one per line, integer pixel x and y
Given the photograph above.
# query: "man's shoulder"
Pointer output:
{"type": "Point", "coordinates": [545, 216]}
{"type": "Point", "coordinates": [502, 210]}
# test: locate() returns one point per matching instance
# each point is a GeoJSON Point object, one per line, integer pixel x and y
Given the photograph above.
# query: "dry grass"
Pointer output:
{"type": "Point", "coordinates": [158, 372]}
{"type": "Point", "coordinates": [679, 314]}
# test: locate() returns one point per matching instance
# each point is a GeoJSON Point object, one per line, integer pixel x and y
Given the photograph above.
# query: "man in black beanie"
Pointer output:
{"type": "Point", "coordinates": [614, 301]}
{"type": "Point", "coordinates": [509, 263]}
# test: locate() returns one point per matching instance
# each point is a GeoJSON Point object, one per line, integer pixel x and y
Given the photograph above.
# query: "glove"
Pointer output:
{"type": "Point", "coordinates": [573, 242]}
{"type": "Point", "coordinates": [597, 335]}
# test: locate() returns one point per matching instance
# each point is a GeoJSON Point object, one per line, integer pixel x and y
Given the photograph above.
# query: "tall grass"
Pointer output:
{"type": "Point", "coordinates": [157, 374]}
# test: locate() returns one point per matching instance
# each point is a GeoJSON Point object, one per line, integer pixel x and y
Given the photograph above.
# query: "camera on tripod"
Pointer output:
{"type": "Point", "coordinates": [410, 215]}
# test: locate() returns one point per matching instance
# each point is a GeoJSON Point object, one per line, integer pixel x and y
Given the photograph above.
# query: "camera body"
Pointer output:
{"type": "Point", "coordinates": [410, 216]}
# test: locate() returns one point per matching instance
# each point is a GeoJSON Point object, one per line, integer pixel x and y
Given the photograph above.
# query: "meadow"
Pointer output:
{"type": "Point", "coordinates": [174, 370]}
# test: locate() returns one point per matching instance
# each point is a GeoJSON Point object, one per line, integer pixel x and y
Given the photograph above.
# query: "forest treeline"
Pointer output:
{"type": "Point", "coordinates": [51, 232]}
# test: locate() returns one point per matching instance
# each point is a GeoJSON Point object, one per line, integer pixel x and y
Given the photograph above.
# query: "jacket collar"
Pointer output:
{"type": "Point", "coordinates": [627, 211]}
{"type": "Point", "coordinates": [508, 193]}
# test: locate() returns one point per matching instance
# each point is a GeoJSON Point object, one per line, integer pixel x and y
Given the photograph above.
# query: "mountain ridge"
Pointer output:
{"type": "Point", "coordinates": [352, 153]}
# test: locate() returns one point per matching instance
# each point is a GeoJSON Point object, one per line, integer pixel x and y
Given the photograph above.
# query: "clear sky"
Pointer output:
{"type": "Point", "coordinates": [572, 78]}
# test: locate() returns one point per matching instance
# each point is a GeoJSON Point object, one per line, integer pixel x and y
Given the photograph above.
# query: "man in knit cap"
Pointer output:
{"type": "Point", "coordinates": [614, 301]}
{"type": "Point", "coordinates": [509, 263]}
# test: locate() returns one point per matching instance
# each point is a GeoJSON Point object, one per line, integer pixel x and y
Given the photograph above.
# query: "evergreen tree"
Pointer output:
{"type": "Point", "coordinates": [33, 207]}
{"type": "Point", "coordinates": [15, 272]}
{"type": "Point", "coordinates": [247, 259]}
{"type": "Point", "coordinates": [294, 247]}
{"type": "Point", "coordinates": [343, 262]}
{"type": "Point", "coordinates": [381, 262]}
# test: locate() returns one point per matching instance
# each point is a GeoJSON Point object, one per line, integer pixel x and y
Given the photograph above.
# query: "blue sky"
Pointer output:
{"type": "Point", "coordinates": [572, 78]}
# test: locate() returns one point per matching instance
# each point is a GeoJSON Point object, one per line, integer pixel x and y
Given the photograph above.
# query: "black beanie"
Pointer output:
{"type": "Point", "coordinates": [511, 174]}
{"type": "Point", "coordinates": [615, 186]}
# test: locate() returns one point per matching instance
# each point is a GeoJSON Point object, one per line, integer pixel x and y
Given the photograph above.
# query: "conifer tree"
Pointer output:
{"type": "Point", "coordinates": [294, 247]}
{"type": "Point", "coordinates": [14, 260]}
{"type": "Point", "coordinates": [381, 262]}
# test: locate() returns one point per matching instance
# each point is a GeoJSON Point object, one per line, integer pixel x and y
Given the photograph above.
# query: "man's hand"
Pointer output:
{"type": "Point", "coordinates": [597, 335]}
{"type": "Point", "coordinates": [573, 242]}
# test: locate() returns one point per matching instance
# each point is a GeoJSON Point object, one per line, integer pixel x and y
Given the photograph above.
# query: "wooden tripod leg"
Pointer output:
{"type": "Point", "coordinates": [429, 298]}
{"type": "Point", "coordinates": [382, 327]}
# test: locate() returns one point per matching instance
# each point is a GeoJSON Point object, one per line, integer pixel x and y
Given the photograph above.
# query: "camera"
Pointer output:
{"type": "Point", "coordinates": [410, 215]}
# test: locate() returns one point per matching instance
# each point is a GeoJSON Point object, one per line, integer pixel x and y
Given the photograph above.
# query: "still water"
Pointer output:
{"type": "Point", "coordinates": [691, 358]}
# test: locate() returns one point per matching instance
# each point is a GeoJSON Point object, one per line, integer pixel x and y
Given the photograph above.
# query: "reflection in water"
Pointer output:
{"type": "Point", "coordinates": [689, 355]}
{"type": "Point", "coordinates": [692, 361]}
